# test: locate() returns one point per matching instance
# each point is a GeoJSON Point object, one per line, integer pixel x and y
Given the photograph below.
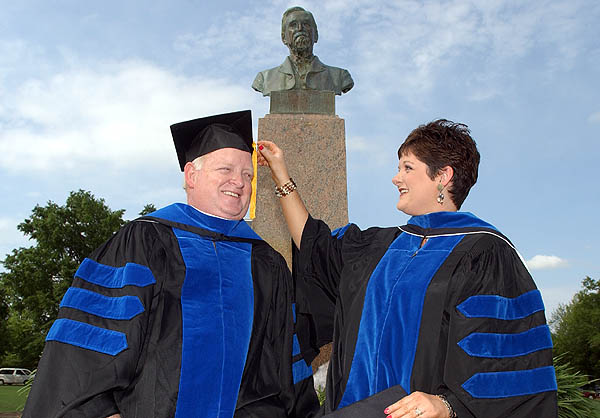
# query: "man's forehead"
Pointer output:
{"type": "Point", "coordinates": [232, 156]}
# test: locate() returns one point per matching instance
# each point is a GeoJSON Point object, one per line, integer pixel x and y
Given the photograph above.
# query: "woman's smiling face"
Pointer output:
{"type": "Point", "coordinates": [418, 192]}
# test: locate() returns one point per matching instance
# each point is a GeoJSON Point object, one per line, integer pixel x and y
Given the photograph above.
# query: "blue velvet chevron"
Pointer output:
{"type": "Point", "coordinates": [122, 307]}
{"type": "Point", "coordinates": [115, 277]}
{"type": "Point", "coordinates": [479, 344]}
{"type": "Point", "coordinates": [498, 307]}
{"type": "Point", "coordinates": [87, 336]}
{"type": "Point", "coordinates": [495, 385]}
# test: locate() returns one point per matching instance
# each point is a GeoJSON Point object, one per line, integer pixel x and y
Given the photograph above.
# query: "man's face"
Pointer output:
{"type": "Point", "coordinates": [223, 185]}
{"type": "Point", "coordinates": [299, 34]}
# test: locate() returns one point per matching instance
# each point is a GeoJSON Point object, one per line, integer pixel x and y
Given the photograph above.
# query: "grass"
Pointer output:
{"type": "Point", "coordinates": [10, 399]}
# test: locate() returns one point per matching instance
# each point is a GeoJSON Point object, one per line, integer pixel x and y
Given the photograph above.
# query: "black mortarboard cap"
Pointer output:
{"type": "Point", "coordinates": [197, 137]}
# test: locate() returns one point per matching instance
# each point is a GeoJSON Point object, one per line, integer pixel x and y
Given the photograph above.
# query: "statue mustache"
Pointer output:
{"type": "Point", "coordinates": [299, 34]}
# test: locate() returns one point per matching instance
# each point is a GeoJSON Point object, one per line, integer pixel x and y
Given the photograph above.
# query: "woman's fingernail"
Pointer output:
{"type": "Point", "coordinates": [386, 410]}
{"type": "Point", "coordinates": [260, 147]}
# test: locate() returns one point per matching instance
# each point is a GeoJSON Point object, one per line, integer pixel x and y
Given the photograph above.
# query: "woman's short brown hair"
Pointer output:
{"type": "Point", "coordinates": [444, 143]}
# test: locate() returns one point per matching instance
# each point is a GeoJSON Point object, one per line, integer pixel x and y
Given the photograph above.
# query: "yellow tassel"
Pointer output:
{"type": "Point", "coordinates": [252, 214]}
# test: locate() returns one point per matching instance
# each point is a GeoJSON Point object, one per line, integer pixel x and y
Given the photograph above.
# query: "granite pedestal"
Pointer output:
{"type": "Point", "coordinates": [314, 146]}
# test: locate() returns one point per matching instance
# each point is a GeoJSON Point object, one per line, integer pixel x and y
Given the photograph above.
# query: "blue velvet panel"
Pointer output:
{"type": "Point", "coordinates": [115, 277]}
{"type": "Point", "coordinates": [122, 307]}
{"type": "Point", "coordinates": [389, 327]}
{"type": "Point", "coordinates": [217, 304]}
{"type": "Point", "coordinates": [339, 232]}
{"type": "Point", "coordinates": [87, 336]}
{"type": "Point", "coordinates": [496, 385]}
{"type": "Point", "coordinates": [301, 371]}
{"type": "Point", "coordinates": [498, 307]}
{"type": "Point", "coordinates": [493, 345]}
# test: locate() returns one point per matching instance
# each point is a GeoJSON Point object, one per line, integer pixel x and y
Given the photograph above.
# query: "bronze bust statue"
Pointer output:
{"type": "Point", "coordinates": [301, 69]}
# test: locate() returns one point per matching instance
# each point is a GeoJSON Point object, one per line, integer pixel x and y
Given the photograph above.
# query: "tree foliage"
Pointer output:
{"type": "Point", "coordinates": [149, 208]}
{"type": "Point", "coordinates": [37, 277]}
{"type": "Point", "coordinates": [571, 403]}
{"type": "Point", "coordinates": [576, 329]}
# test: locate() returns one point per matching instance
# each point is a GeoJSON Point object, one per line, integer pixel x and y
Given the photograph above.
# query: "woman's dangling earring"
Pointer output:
{"type": "Point", "coordinates": [440, 197]}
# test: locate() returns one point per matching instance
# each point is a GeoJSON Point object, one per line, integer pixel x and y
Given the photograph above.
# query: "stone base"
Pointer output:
{"type": "Point", "coordinates": [303, 102]}
{"type": "Point", "coordinates": [315, 151]}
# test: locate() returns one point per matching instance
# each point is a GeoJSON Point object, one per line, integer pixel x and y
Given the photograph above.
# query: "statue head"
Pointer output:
{"type": "Point", "coordinates": [299, 31]}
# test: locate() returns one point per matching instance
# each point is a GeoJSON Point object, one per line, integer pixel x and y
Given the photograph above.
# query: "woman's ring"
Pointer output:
{"type": "Point", "coordinates": [418, 412]}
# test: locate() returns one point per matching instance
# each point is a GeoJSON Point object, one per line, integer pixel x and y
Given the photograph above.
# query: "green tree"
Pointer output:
{"type": "Point", "coordinates": [576, 329]}
{"type": "Point", "coordinates": [37, 277]}
{"type": "Point", "coordinates": [4, 311]}
{"type": "Point", "coordinates": [149, 208]}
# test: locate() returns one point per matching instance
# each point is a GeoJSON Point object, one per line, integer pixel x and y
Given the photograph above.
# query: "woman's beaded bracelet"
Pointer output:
{"type": "Point", "coordinates": [286, 189]}
{"type": "Point", "coordinates": [451, 413]}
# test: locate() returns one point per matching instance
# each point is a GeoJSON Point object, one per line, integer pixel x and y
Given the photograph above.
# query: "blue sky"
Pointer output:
{"type": "Point", "coordinates": [88, 91]}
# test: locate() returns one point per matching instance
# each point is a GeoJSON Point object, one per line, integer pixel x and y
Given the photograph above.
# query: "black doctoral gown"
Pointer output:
{"type": "Point", "coordinates": [180, 314]}
{"type": "Point", "coordinates": [443, 305]}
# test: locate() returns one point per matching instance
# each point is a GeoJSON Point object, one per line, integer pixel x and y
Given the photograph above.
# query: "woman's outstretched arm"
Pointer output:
{"type": "Point", "coordinates": [294, 211]}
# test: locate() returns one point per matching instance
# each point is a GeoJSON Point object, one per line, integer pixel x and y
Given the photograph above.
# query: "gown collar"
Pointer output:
{"type": "Point", "coordinates": [449, 220]}
{"type": "Point", "coordinates": [186, 214]}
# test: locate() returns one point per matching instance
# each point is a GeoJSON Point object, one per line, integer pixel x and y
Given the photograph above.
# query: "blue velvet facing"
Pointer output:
{"type": "Point", "coordinates": [115, 277]}
{"type": "Point", "coordinates": [389, 328]}
{"type": "Point", "coordinates": [123, 307]}
{"type": "Point", "coordinates": [217, 303]}
{"type": "Point", "coordinates": [507, 345]}
{"type": "Point", "coordinates": [498, 307]}
{"type": "Point", "coordinates": [495, 385]}
{"type": "Point", "coordinates": [87, 336]}
{"type": "Point", "coordinates": [300, 369]}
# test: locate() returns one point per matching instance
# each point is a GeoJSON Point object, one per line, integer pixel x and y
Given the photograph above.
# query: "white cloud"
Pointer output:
{"type": "Point", "coordinates": [10, 235]}
{"type": "Point", "coordinates": [368, 152]}
{"type": "Point", "coordinates": [541, 262]}
{"type": "Point", "coordinates": [594, 117]}
{"type": "Point", "coordinates": [114, 114]}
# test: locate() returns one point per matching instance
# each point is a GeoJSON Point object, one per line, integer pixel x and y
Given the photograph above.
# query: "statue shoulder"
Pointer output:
{"type": "Point", "coordinates": [276, 78]}
{"type": "Point", "coordinates": [341, 77]}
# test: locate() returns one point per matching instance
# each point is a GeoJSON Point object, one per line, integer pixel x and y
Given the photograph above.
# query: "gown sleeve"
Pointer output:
{"type": "Point", "coordinates": [325, 259]}
{"type": "Point", "coordinates": [95, 347]}
{"type": "Point", "coordinates": [276, 381]}
{"type": "Point", "coordinates": [317, 268]}
{"type": "Point", "coordinates": [499, 347]}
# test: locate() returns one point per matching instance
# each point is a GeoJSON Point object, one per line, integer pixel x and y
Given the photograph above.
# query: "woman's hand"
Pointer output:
{"type": "Point", "coordinates": [270, 155]}
{"type": "Point", "coordinates": [417, 405]}
{"type": "Point", "coordinates": [115, 416]}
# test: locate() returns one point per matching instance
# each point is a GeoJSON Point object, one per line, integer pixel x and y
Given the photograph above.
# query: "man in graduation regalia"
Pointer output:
{"type": "Point", "coordinates": [185, 312]}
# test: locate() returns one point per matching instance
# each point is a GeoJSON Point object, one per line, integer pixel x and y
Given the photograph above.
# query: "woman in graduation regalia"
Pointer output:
{"type": "Point", "coordinates": [442, 308]}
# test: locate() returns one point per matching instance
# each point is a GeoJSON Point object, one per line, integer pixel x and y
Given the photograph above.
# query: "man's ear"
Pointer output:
{"type": "Point", "coordinates": [189, 172]}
